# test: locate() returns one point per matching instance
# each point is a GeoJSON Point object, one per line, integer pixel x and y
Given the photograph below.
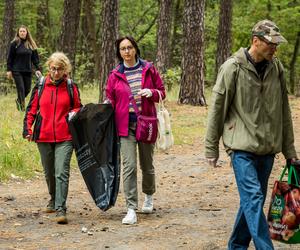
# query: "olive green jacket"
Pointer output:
{"type": "Point", "coordinates": [250, 114]}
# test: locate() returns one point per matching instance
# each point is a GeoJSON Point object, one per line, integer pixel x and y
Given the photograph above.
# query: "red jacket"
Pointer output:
{"type": "Point", "coordinates": [118, 92]}
{"type": "Point", "coordinates": [49, 113]}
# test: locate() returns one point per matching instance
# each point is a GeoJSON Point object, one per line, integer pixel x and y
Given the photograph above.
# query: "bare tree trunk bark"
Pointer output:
{"type": "Point", "coordinates": [192, 78]}
{"type": "Point", "coordinates": [224, 34]}
{"type": "Point", "coordinates": [69, 31]}
{"type": "Point", "coordinates": [163, 36]}
{"type": "Point", "coordinates": [43, 24]}
{"type": "Point", "coordinates": [88, 45]}
{"type": "Point", "coordinates": [8, 29]}
{"type": "Point", "coordinates": [110, 27]}
{"type": "Point", "coordinates": [176, 38]}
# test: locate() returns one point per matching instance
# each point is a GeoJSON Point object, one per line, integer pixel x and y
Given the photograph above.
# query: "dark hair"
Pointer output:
{"type": "Point", "coordinates": [133, 42]}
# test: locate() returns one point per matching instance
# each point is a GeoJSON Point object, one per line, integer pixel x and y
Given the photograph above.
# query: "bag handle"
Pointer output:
{"type": "Point", "coordinates": [291, 172]}
{"type": "Point", "coordinates": [160, 103]}
{"type": "Point", "coordinates": [283, 173]}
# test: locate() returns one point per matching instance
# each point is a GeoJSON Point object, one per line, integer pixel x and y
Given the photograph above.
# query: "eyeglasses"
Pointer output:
{"type": "Point", "coordinates": [54, 69]}
{"type": "Point", "coordinates": [126, 48]}
{"type": "Point", "coordinates": [272, 45]}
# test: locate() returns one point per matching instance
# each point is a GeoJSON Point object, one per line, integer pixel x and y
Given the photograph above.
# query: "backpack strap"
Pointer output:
{"type": "Point", "coordinates": [70, 92]}
{"type": "Point", "coordinates": [280, 70]}
{"type": "Point", "coordinates": [41, 85]}
{"type": "Point", "coordinates": [236, 61]}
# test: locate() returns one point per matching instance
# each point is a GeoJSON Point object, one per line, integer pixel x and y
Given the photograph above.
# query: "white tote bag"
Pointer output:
{"type": "Point", "coordinates": [165, 138]}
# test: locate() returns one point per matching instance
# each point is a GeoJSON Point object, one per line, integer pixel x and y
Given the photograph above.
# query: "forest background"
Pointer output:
{"type": "Point", "coordinates": [174, 34]}
{"type": "Point", "coordinates": [186, 40]}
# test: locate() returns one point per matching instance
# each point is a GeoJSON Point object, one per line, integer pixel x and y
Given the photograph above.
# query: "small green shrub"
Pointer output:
{"type": "Point", "coordinates": [172, 78]}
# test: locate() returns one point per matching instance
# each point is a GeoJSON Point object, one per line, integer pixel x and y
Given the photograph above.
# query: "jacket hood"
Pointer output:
{"type": "Point", "coordinates": [120, 68]}
{"type": "Point", "coordinates": [241, 57]}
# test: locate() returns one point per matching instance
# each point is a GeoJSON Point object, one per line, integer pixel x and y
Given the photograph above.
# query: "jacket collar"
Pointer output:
{"type": "Point", "coordinates": [241, 58]}
{"type": "Point", "coordinates": [120, 68]}
{"type": "Point", "coordinates": [48, 80]}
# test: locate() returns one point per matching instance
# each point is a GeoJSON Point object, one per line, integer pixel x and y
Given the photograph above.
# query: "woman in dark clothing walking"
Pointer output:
{"type": "Point", "coordinates": [22, 54]}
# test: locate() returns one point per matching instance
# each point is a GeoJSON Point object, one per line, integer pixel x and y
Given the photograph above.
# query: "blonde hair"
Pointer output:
{"type": "Point", "coordinates": [60, 59]}
{"type": "Point", "coordinates": [29, 42]}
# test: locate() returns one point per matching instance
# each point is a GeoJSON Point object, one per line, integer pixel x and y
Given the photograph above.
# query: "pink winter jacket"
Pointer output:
{"type": "Point", "coordinates": [118, 92]}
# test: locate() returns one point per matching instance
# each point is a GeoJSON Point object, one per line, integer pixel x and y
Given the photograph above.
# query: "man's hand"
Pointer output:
{"type": "Point", "coordinates": [293, 161]}
{"type": "Point", "coordinates": [145, 92]}
{"type": "Point", "coordinates": [212, 162]}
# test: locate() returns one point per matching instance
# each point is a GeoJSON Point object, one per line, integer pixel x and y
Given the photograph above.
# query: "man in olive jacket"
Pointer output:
{"type": "Point", "coordinates": [250, 110]}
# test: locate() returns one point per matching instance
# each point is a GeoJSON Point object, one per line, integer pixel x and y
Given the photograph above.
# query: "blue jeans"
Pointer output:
{"type": "Point", "coordinates": [252, 174]}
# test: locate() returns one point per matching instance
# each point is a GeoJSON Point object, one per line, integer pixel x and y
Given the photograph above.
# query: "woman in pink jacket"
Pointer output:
{"type": "Point", "coordinates": [138, 78]}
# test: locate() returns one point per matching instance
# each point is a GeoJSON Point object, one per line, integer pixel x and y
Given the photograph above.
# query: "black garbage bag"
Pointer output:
{"type": "Point", "coordinates": [97, 151]}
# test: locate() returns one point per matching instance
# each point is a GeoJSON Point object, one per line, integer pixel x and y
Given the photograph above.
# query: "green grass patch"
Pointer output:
{"type": "Point", "coordinates": [17, 156]}
{"type": "Point", "coordinates": [21, 158]}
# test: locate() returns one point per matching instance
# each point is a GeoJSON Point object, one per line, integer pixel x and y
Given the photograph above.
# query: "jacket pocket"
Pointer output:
{"type": "Point", "coordinates": [37, 127]}
{"type": "Point", "coordinates": [228, 132]}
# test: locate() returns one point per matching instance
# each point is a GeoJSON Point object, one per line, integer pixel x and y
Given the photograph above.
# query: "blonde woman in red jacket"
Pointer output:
{"type": "Point", "coordinates": [140, 79]}
{"type": "Point", "coordinates": [48, 110]}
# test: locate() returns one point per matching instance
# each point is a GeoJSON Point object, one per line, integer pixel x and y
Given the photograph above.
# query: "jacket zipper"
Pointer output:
{"type": "Point", "coordinates": [55, 114]}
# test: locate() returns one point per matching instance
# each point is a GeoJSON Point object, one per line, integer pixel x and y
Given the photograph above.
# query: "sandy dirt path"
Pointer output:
{"type": "Point", "coordinates": [195, 208]}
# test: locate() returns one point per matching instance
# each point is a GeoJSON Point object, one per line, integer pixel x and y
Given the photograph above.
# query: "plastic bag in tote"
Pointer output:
{"type": "Point", "coordinates": [165, 138]}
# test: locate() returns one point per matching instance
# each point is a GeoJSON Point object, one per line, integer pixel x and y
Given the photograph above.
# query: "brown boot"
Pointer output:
{"type": "Point", "coordinates": [61, 217]}
{"type": "Point", "coordinates": [50, 207]}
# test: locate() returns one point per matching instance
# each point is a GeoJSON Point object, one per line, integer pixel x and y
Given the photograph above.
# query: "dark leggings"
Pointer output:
{"type": "Point", "coordinates": [23, 84]}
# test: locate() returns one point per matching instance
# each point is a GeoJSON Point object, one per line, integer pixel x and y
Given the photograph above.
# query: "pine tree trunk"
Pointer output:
{"type": "Point", "coordinates": [192, 78]}
{"type": "Point", "coordinates": [163, 35]}
{"type": "Point", "coordinates": [88, 46]}
{"type": "Point", "coordinates": [69, 31]}
{"type": "Point", "coordinates": [8, 29]}
{"type": "Point", "coordinates": [176, 38]}
{"type": "Point", "coordinates": [43, 25]}
{"type": "Point", "coordinates": [110, 27]}
{"type": "Point", "coordinates": [224, 35]}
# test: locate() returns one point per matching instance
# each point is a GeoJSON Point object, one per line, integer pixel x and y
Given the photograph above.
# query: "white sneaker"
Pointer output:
{"type": "Point", "coordinates": [148, 204]}
{"type": "Point", "coordinates": [130, 217]}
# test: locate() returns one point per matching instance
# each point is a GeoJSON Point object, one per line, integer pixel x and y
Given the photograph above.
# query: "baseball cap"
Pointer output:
{"type": "Point", "coordinates": [269, 31]}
